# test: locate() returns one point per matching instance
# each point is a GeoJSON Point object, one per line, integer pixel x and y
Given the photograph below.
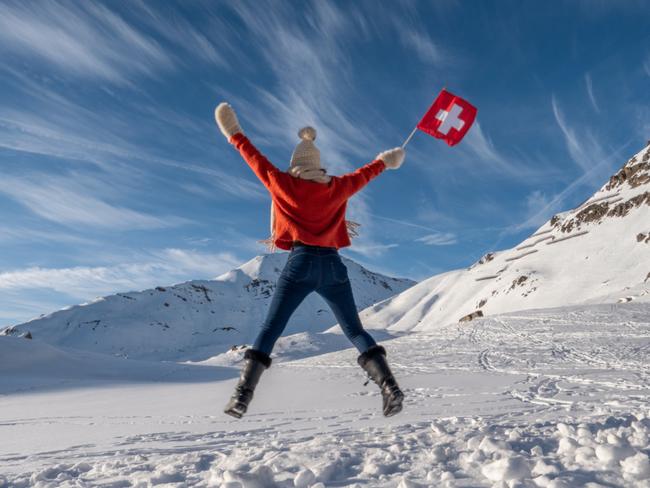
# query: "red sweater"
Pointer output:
{"type": "Point", "coordinates": [307, 211]}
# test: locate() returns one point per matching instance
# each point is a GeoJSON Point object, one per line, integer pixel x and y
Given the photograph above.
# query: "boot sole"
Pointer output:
{"type": "Point", "coordinates": [236, 411]}
{"type": "Point", "coordinates": [394, 407]}
{"type": "Point", "coordinates": [393, 410]}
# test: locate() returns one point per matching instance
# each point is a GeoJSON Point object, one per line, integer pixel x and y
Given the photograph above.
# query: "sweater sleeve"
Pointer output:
{"type": "Point", "coordinates": [355, 181]}
{"type": "Point", "coordinates": [261, 166]}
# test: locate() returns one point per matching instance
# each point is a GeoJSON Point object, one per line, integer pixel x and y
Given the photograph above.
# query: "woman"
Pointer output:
{"type": "Point", "coordinates": [308, 219]}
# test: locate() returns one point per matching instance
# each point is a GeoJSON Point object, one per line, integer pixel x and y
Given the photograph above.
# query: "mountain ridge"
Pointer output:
{"type": "Point", "coordinates": [197, 319]}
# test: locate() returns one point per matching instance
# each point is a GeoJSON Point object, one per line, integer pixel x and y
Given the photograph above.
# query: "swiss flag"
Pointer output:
{"type": "Point", "coordinates": [449, 118]}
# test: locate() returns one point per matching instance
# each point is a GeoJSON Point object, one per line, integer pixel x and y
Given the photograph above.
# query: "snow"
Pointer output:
{"type": "Point", "coordinates": [507, 468]}
{"type": "Point", "coordinates": [549, 389]}
{"type": "Point", "coordinates": [553, 397]}
{"type": "Point", "coordinates": [636, 467]}
{"type": "Point", "coordinates": [28, 365]}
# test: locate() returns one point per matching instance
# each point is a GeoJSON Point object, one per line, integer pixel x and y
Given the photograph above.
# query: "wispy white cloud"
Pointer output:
{"type": "Point", "coordinates": [370, 249]}
{"type": "Point", "coordinates": [87, 40]}
{"type": "Point", "coordinates": [404, 222]}
{"type": "Point", "coordinates": [310, 66]}
{"type": "Point", "coordinates": [22, 234]}
{"type": "Point", "coordinates": [642, 125]}
{"type": "Point", "coordinates": [439, 239]}
{"type": "Point", "coordinates": [161, 267]}
{"type": "Point", "coordinates": [210, 43]}
{"type": "Point", "coordinates": [481, 146]}
{"type": "Point", "coordinates": [406, 230]}
{"type": "Point", "coordinates": [535, 200]}
{"type": "Point", "coordinates": [538, 208]}
{"type": "Point", "coordinates": [412, 33]}
{"type": "Point", "coordinates": [398, 231]}
{"type": "Point", "coordinates": [419, 42]}
{"type": "Point", "coordinates": [68, 201]}
{"type": "Point", "coordinates": [590, 92]}
{"type": "Point", "coordinates": [44, 121]}
{"type": "Point", "coordinates": [585, 155]}
{"type": "Point", "coordinates": [541, 207]}
{"type": "Point", "coordinates": [22, 131]}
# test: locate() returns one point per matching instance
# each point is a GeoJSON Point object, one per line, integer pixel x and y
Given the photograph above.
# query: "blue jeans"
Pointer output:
{"type": "Point", "coordinates": [319, 269]}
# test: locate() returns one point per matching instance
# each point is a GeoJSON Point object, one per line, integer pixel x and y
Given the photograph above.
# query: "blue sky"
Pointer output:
{"type": "Point", "coordinates": [114, 176]}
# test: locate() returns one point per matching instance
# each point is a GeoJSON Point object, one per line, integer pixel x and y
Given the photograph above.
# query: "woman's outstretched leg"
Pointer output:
{"type": "Point", "coordinates": [288, 295]}
{"type": "Point", "coordinates": [286, 299]}
{"type": "Point", "coordinates": [337, 292]}
{"type": "Point", "coordinates": [340, 299]}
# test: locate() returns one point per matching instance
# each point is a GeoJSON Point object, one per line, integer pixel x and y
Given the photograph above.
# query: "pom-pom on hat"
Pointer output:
{"type": "Point", "coordinates": [306, 154]}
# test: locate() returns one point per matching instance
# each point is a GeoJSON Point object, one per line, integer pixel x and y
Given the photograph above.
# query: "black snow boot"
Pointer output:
{"type": "Point", "coordinates": [255, 363]}
{"type": "Point", "coordinates": [373, 361]}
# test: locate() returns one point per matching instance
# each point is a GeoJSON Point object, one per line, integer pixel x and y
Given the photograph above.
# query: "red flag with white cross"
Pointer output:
{"type": "Point", "coordinates": [449, 118]}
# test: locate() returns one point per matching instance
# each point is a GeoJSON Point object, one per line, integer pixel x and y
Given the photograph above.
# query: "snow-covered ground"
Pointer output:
{"type": "Point", "coordinates": [550, 398]}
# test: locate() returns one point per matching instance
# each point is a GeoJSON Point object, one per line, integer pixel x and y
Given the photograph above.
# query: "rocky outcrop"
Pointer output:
{"type": "Point", "coordinates": [484, 259]}
{"type": "Point", "coordinates": [519, 281]}
{"type": "Point", "coordinates": [635, 173]}
{"type": "Point", "coordinates": [596, 212]}
{"type": "Point", "coordinates": [471, 316]}
{"type": "Point", "coordinates": [623, 208]}
{"type": "Point", "coordinates": [13, 331]}
{"type": "Point", "coordinates": [592, 213]}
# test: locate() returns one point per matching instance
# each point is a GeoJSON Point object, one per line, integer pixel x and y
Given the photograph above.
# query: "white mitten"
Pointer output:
{"type": "Point", "coordinates": [393, 158]}
{"type": "Point", "coordinates": [227, 120]}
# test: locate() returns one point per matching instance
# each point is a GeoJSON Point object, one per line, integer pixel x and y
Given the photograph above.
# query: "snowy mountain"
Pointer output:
{"type": "Point", "coordinates": [598, 252]}
{"type": "Point", "coordinates": [197, 319]}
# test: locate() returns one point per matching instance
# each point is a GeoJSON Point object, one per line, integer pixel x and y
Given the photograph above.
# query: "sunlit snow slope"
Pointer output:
{"type": "Point", "coordinates": [197, 319]}
{"type": "Point", "coordinates": [596, 253]}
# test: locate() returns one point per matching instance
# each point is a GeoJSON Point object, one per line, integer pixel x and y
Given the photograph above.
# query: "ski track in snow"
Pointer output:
{"type": "Point", "coordinates": [548, 398]}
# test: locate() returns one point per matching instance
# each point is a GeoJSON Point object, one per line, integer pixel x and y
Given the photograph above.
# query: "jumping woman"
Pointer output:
{"type": "Point", "coordinates": [308, 219]}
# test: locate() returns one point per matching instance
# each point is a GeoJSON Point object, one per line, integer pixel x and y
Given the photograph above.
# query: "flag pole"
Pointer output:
{"type": "Point", "coordinates": [408, 139]}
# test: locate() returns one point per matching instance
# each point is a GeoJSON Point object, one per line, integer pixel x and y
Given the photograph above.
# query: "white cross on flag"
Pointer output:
{"type": "Point", "coordinates": [449, 118]}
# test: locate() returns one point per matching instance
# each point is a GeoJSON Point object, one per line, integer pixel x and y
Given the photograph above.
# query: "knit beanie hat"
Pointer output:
{"type": "Point", "coordinates": [306, 154]}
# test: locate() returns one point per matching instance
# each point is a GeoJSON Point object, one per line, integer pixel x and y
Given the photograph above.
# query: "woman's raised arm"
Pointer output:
{"type": "Point", "coordinates": [230, 128]}
{"type": "Point", "coordinates": [355, 181]}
